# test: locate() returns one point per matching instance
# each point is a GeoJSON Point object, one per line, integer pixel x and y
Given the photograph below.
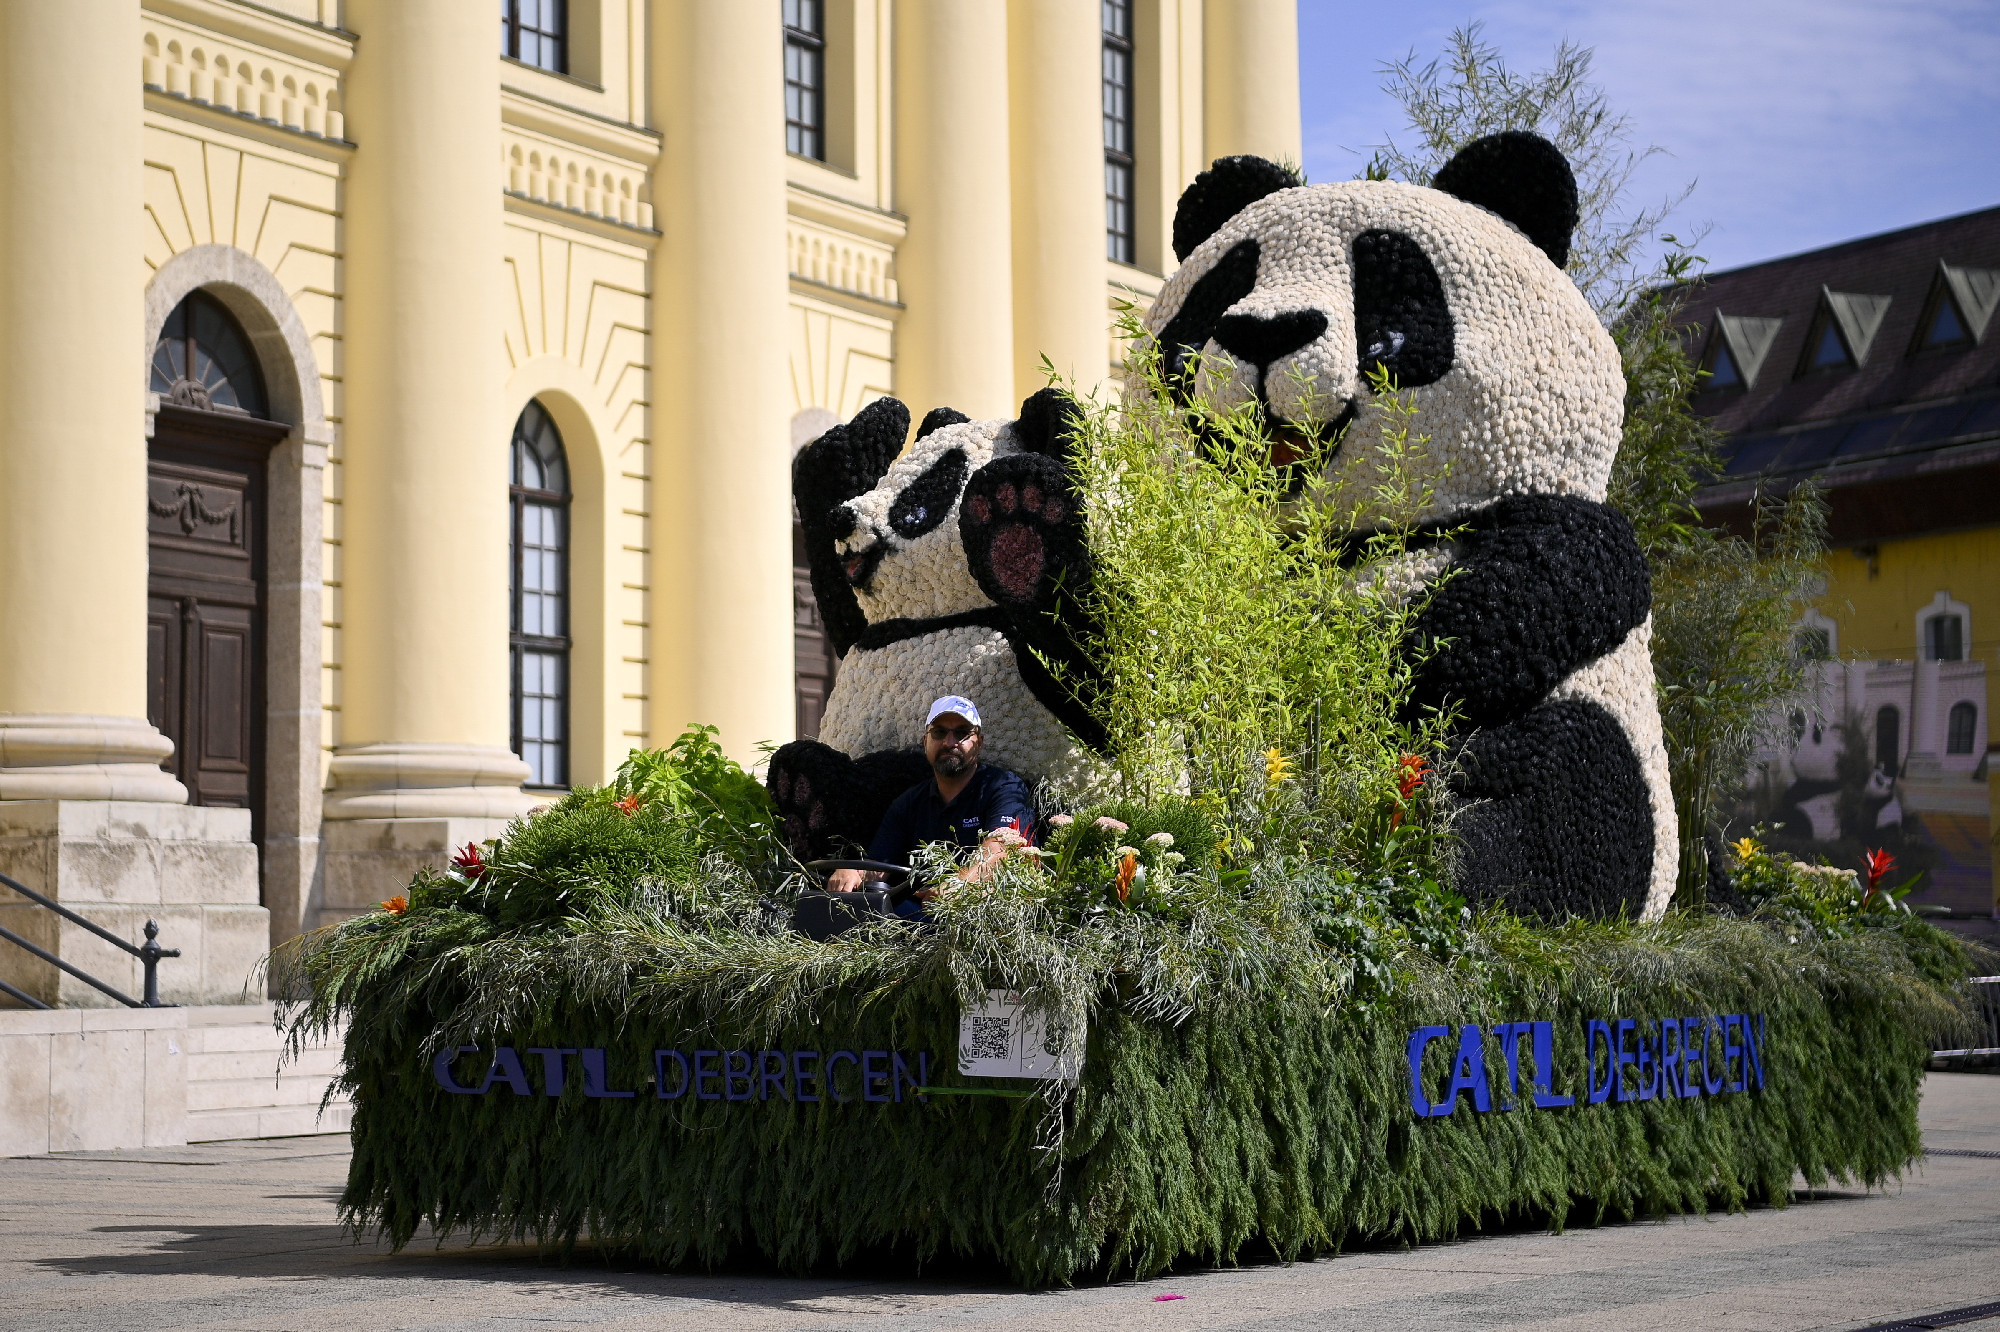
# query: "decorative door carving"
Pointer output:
{"type": "Point", "coordinates": [205, 601]}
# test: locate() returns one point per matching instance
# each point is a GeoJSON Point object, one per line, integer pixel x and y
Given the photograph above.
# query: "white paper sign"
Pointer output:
{"type": "Point", "coordinates": [1002, 1039]}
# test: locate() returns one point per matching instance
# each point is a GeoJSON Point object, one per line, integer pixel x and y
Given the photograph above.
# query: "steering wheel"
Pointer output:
{"type": "Point", "coordinates": [823, 867]}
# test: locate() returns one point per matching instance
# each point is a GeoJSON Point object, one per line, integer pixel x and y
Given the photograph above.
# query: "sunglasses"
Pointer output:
{"type": "Point", "coordinates": [951, 735]}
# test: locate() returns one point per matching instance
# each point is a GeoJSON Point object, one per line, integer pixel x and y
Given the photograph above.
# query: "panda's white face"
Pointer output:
{"type": "Point", "coordinates": [1295, 299]}
{"type": "Point", "coordinates": [902, 554]}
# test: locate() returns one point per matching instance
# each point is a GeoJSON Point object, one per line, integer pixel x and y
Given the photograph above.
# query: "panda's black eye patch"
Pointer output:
{"type": "Point", "coordinates": [1401, 320]}
{"type": "Point", "coordinates": [1233, 277]}
{"type": "Point", "coordinates": [924, 503]}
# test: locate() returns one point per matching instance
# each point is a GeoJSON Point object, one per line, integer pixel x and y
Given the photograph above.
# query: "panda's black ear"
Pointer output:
{"type": "Point", "coordinates": [1049, 424]}
{"type": "Point", "coordinates": [937, 418]}
{"type": "Point", "coordinates": [1230, 185]}
{"type": "Point", "coordinates": [848, 459]}
{"type": "Point", "coordinates": [1522, 177]}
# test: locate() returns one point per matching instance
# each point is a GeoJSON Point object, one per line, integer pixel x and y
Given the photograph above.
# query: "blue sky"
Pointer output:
{"type": "Point", "coordinates": [1801, 122]}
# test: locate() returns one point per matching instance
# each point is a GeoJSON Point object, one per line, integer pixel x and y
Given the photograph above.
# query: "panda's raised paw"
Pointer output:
{"type": "Point", "coordinates": [809, 784]}
{"type": "Point", "coordinates": [1022, 526]}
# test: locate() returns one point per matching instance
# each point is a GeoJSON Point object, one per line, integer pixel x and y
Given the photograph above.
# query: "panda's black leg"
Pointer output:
{"type": "Point", "coordinates": [1561, 821]}
{"type": "Point", "coordinates": [1022, 525]}
{"type": "Point", "coordinates": [829, 803]}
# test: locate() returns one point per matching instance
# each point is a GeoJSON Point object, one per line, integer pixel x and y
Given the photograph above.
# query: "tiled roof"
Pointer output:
{"type": "Point", "coordinates": [1902, 265]}
{"type": "Point", "coordinates": [1909, 439]}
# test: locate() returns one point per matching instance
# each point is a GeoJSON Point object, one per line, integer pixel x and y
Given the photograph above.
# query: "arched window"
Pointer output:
{"type": "Point", "coordinates": [540, 493]}
{"type": "Point", "coordinates": [203, 360]}
{"type": "Point", "coordinates": [1959, 726]}
{"type": "Point", "coordinates": [1888, 739]}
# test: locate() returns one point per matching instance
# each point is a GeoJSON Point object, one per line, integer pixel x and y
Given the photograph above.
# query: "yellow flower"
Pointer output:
{"type": "Point", "coordinates": [1276, 766]}
{"type": "Point", "coordinates": [1744, 849]}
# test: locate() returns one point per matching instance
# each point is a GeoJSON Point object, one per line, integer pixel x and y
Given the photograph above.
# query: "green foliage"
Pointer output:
{"type": "Point", "coordinates": [1470, 92]}
{"type": "Point", "coordinates": [1240, 1081]}
{"type": "Point", "coordinates": [580, 853]}
{"type": "Point", "coordinates": [1724, 613]}
{"type": "Point", "coordinates": [694, 779]}
{"type": "Point", "coordinates": [1249, 649]}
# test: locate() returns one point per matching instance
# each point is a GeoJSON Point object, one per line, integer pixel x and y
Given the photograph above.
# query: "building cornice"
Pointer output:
{"type": "Point", "coordinates": [258, 26]}
{"type": "Point", "coordinates": [179, 107]}
{"type": "Point", "coordinates": [609, 228]}
{"type": "Point", "coordinates": [876, 224]}
{"type": "Point", "coordinates": [528, 111]}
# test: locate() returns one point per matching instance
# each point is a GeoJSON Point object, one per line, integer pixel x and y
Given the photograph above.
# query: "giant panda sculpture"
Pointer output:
{"type": "Point", "coordinates": [1292, 295]}
{"type": "Point", "coordinates": [895, 593]}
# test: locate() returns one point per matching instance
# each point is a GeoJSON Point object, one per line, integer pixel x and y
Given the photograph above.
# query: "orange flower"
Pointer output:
{"type": "Point", "coordinates": [1415, 770]}
{"type": "Point", "coordinates": [1127, 868]}
{"type": "Point", "coordinates": [629, 805]}
{"type": "Point", "coordinates": [397, 905]}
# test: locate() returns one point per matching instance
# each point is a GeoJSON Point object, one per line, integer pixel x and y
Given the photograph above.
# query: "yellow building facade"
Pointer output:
{"type": "Point", "coordinates": [675, 237]}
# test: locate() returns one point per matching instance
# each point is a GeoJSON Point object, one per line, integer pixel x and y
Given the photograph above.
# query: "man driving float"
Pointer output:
{"type": "Point", "coordinates": [963, 803]}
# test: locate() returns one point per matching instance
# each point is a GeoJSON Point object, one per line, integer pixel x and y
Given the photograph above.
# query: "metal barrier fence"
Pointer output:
{"type": "Point", "coordinates": [149, 954]}
{"type": "Point", "coordinates": [1986, 1002]}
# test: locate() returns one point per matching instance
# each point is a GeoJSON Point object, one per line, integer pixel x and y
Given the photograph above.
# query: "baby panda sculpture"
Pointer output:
{"type": "Point", "coordinates": [1538, 623]}
{"type": "Point", "coordinates": [890, 577]}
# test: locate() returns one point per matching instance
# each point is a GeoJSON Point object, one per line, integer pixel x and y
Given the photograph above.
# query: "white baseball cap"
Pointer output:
{"type": "Point", "coordinates": [964, 707]}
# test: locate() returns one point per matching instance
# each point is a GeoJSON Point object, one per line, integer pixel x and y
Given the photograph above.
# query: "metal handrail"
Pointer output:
{"type": "Point", "coordinates": [1985, 998]}
{"type": "Point", "coordinates": [149, 953]}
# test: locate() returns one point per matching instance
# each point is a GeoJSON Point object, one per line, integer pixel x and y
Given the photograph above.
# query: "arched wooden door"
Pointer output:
{"type": "Point", "coordinates": [206, 541]}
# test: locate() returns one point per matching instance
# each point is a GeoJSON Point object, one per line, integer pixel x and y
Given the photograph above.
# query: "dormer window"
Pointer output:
{"type": "Point", "coordinates": [1736, 350]}
{"type": "Point", "coordinates": [1722, 369]}
{"type": "Point", "coordinates": [1843, 330]}
{"type": "Point", "coordinates": [1830, 353]}
{"type": "Point", "coordinates": [1946, 328]}
{"type": "Point", "coordinates": [1960, 306]}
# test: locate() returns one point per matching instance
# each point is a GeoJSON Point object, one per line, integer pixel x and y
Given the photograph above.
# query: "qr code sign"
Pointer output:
{"type": "Point", "coordinates": [1002, 1039]}
{"type": "Point", "coordinates": [989, 1038]}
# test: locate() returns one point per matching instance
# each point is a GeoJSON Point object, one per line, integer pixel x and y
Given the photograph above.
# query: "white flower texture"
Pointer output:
{"type": "Point", "coordinates": [880, 695]}
{"type": "Point", "coordinates": [1531, 404]}
{"type": "Point", "coordinates": [1108, 824]}
{"type": "Point", "coordinates": [1534, 400]}
{"type": "Point", "coordinates": [1161, 839]}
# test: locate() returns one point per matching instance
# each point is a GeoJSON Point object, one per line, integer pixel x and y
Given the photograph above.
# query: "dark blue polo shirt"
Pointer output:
{"type": "Point", "coordinates": [994, 798]}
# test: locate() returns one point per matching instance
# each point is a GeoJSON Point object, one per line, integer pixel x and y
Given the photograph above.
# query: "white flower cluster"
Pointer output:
{"type": "Point", "coordinates": [1534, 399]}
{"type": "Point", "coordinates": [881, 694]}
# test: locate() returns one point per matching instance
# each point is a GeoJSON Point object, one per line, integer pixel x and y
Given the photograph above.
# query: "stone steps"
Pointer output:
{"type": "Point", "coordinates": [100, 1078]}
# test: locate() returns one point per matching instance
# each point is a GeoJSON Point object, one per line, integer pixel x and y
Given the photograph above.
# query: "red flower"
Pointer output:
{"type": "Point", "coordinates": [1415, 769]}
{"type": "Point", "coordinates": [1126, 869]}
{"type": "Point", "coordinates": [397, 905]}
{"type": "Point", "coordinates": [469, 862]}
{"type": "Point", "coordinates": [629, 805]}
{"type": "Point", "coordinates": [1879, 863]}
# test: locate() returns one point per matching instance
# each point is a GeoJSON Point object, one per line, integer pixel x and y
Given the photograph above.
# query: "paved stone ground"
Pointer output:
{"type": "Point", "coordinates": [241, 1236]}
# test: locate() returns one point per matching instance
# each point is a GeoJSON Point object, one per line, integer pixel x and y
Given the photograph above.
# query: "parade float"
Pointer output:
{"type": "Point", "coordinates": [1353, 913]}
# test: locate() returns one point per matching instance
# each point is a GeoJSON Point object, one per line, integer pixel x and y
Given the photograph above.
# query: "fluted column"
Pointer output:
{"type": "Point", "coordinates": [722, 639]}
{"type": "Point", "coordinates": [72, 379]}
{"type": "Point", "coordinates": [1250, 84]}
{"type": "Point", "coordinates": [955, 342]}
{"type": "Point", "coordinates": [424, 687]}
{"type": "Point", "coordinates": [1055, 87]}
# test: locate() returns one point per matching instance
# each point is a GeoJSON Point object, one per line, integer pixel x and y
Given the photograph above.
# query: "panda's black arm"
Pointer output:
{"type": "Point", "coordinates": [1541, 585]}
